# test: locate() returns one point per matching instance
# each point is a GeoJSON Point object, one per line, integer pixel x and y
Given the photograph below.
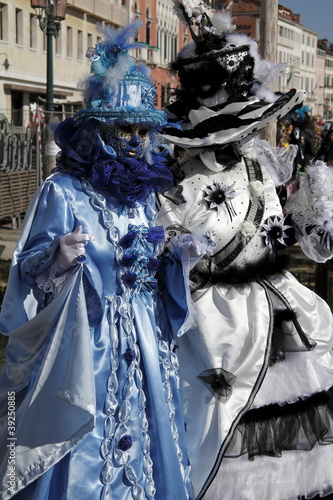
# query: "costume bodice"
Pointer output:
{"type": "Point", "coordinates": [224, 209]}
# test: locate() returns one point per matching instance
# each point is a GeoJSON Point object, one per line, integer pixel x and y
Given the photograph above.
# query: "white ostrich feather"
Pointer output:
{"type": "Point", "coordinates": [186, 9]}
{"type": "Point", "coordinates": [264, 93]}
{"type": "Point", "coordinates": [117, 72]}
{"type": "Point", "coordinates": [222, 21]}
{"type": "Point", "coordinates": [178, 9]}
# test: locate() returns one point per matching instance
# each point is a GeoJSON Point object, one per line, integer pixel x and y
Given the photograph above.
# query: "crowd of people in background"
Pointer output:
{"type": "Point", "coordinates": [313, 137]}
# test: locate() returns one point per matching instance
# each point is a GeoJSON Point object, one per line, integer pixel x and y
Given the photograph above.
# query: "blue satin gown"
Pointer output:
{"type": "Point", "coordinates": [91, 358]}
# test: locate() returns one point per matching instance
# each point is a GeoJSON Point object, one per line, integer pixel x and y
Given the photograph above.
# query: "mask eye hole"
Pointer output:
{"type": "Point", "coordinates": [126, 129]}
{"type": "Point", "coordinates": [142, 131]}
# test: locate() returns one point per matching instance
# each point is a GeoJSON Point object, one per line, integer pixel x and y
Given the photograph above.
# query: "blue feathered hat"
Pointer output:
{"type": "Point", "coordinates": [118, 89]}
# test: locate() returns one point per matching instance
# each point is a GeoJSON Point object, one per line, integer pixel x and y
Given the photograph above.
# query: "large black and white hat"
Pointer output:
{"type": "Point", "coordinates": [225, 94]}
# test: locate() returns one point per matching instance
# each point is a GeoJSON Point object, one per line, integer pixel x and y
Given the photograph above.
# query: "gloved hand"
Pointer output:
{"type": "Point", "coordinates": [189, 241]}
{"type": "Point", "coordinates": [191, 248]}
{"type": "Point", "coordinates": [72, 249]}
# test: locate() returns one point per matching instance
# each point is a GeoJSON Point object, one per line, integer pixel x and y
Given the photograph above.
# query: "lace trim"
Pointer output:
{"type": "Point", "coordinates": [50, 283]}
{"type": "Point", "coordinates": [272, 429]}
{"type": "Point", "coordinates": [311, 212]}
{"type": "Point", "coordinates": [294, 476]}
{"type": "Point", "coordinates": [301, 373]}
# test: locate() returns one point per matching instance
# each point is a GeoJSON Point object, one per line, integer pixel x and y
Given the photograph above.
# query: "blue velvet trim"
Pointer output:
{"type": "Point", "coordinates": [146, 116]}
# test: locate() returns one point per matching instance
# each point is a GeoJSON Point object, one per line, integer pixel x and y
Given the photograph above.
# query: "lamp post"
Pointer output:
{"type": "Point", "coordinates": [49, 13]}
{"type": "Point", "coordinates": [268, 49]}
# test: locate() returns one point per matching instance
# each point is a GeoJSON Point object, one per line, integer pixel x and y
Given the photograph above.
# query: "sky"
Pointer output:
{"type": "Point", "coordinates": [316, 15]}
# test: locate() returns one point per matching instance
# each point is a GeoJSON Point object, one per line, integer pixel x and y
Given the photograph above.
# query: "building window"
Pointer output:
{"type": "Point", "coordinates": [17, 108]}
{"type": "Point", "coordinates": [80, 45]}
{"type": "Point", "coordinates": [137, 15]}
{"type": "Point", "coordinates": [90, 40]}
{"type": "Point", "coordinates": [165, 95]}
{"type": "Point", "coordinates": [69, 52]}
{"type": "Point", "coordinates": [175, 47]}
{"type": "Point", "coordinates": [58, 44]}
{"type": "Point", "coordinates": [33, 31]}
{"type": "Point", "coordinates": [161, 45]}
{"type": "Point", "coordinates": [148, 27]}
{"type": "Point", "coordinates": [165, 46]}
{"type": "Point", "coordinates": [19, 26]}
{"type": "Point", "coordinates": [3, 22]}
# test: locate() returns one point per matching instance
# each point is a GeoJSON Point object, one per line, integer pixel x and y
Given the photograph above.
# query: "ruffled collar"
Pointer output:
{"type": "Point", "coordinates": [131, 182]}
{"type": "Point", "coordinates": [84, 154]}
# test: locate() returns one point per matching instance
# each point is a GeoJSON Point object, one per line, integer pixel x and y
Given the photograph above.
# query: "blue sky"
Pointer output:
{"type": "Point", "coordinates": [317, 15]}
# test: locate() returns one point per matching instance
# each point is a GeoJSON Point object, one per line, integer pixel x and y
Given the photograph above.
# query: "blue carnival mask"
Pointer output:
{"type": "Point", "coordinates": [128, 140]}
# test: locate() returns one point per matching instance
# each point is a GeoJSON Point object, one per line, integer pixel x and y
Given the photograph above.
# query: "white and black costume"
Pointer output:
{"type": "Point", "coordinates": [258, 366]}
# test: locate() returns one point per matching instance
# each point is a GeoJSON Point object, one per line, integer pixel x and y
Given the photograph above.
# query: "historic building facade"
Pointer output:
{"type": "Point", "coordinates": [298, 49]}
{"type": "Point", "coordinates": [23, 51]}
{"type": "Point", "coordinates": [326, 49]}
{"type": "Point", "coordinates": [23, 44]}
{"type": "Point", "coordinates": [162, 37]}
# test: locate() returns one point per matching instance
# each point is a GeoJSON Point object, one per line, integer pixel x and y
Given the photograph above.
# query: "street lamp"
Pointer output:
{"type": "Point", "coordinates": [49, 13]}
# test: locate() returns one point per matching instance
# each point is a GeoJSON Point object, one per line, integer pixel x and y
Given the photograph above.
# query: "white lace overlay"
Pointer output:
{"type": "Point", "coordinates": [50, 281]}
{"type": "Point", "coordinates": [288, 477]}
{"type": "Point", "coordinates": [311, 209]}
{"type": "Point", "coordinates": [278, 161]}
{"type": "Point", "coordinates": [300, 375]}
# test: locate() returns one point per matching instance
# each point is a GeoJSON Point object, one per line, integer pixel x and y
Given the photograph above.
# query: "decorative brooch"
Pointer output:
{"type": "Point", "coordinates": [219, 197]}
